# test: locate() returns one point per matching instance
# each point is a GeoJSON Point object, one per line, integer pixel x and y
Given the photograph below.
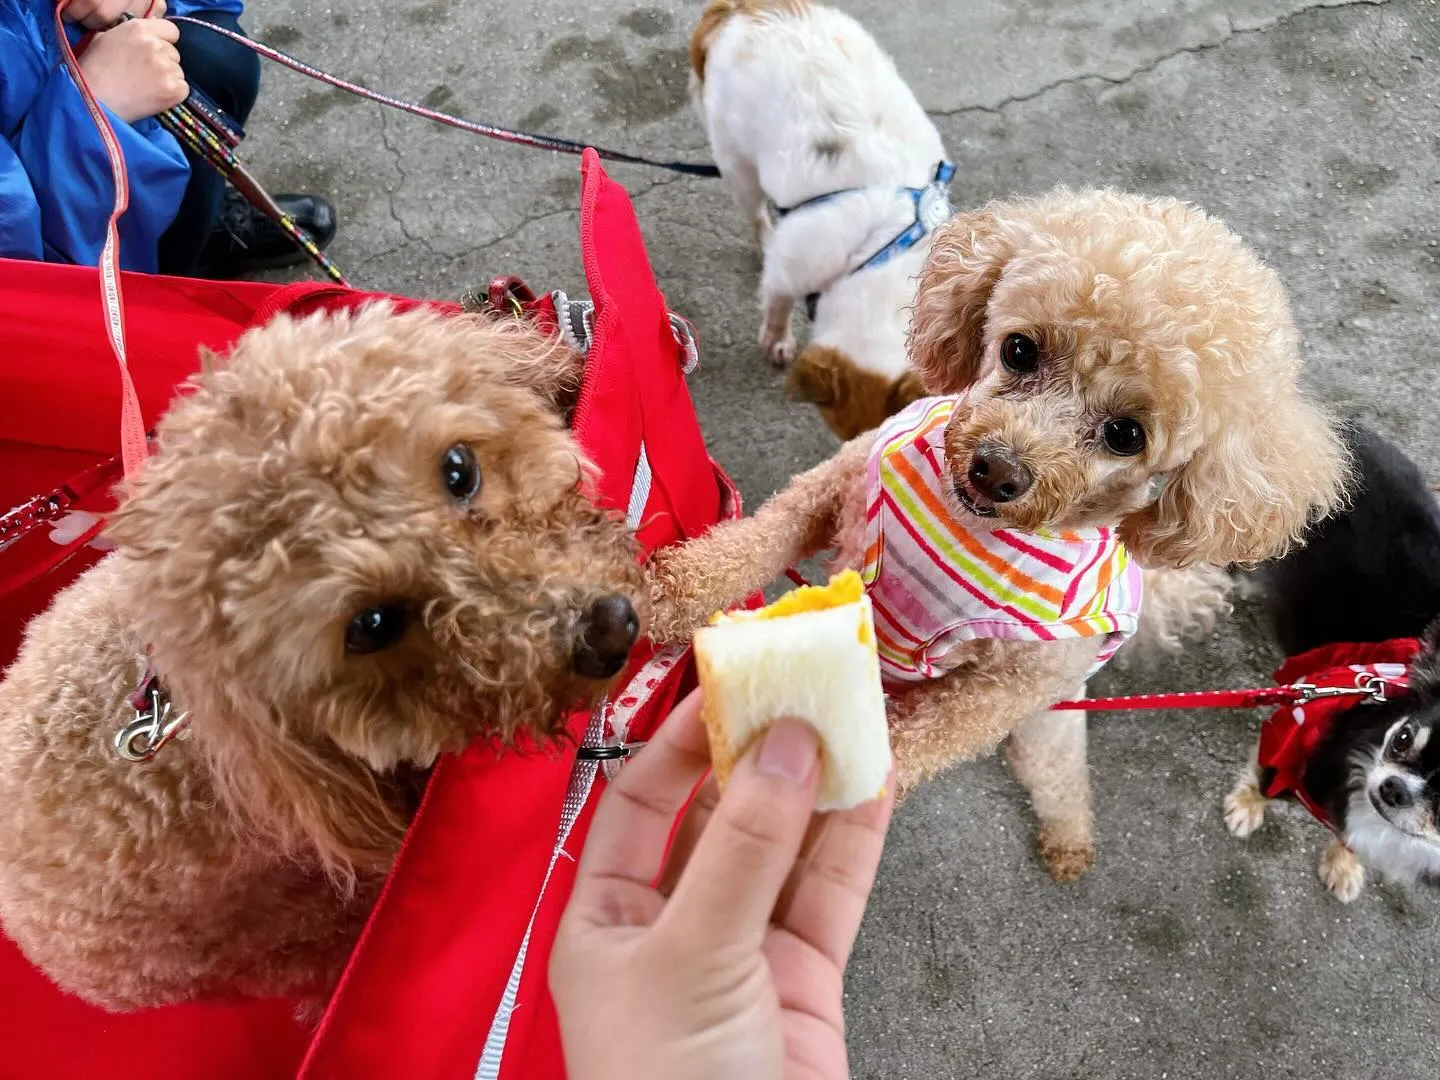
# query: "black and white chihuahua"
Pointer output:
{"type": "Point", "coordinates": [1369, 574]}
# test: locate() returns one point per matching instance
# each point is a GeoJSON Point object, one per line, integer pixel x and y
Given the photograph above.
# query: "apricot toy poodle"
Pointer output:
{"type": "Point", "coordinates": [1115, 387]}
{"type": "Point", "coordinates": [364, 541]}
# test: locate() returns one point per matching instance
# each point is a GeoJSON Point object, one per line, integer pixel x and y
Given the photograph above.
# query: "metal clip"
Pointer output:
{"type": "Point", "coordinates": [152, 728]}
{"type": "Point", "coordinates": [474, 302]}
{"type": "Point", "coordinates": [1371, 687]}
{"type": "Point", "coordinates": [1374, 686]}
{"type": "Point", "coordinates": [608, 752]}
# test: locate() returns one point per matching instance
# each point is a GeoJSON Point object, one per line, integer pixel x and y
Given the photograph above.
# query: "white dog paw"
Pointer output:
{"type": "Point", "coordinates": [1244, 809]}
{"type": "Point", "coordinates": [1341, 872]}
{"type": "Point", "coordinates": [780, 348]}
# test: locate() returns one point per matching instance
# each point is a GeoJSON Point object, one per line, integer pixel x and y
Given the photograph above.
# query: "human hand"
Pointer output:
{"type": "Point", "coordinates": [731, 962]}
{"type": "Point", "coordinates": [135, 68]}
{"type": "Point", "coordinates": [103, 14]}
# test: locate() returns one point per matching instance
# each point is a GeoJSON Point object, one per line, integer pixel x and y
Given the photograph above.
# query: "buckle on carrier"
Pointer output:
{"type": "Point", "coordinates": [609, 751]}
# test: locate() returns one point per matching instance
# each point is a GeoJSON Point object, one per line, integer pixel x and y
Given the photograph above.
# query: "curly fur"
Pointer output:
{"type": "Point", "coordinates": [1146, 308]}
{"type": "Point", "coordinates": [1180, 606]}
{"type": "Point", "coordinates": [1143, 308]}
{"type": "Point", "coordinates": [296, 484]}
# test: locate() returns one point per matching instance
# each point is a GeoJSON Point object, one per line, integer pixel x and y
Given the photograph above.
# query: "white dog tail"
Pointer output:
{"type": "Point", "coordinates": [718, 12]}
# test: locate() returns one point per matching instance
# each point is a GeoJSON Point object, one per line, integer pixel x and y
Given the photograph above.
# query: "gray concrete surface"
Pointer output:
{"type": "Point", "coordinates": [1312, 128]}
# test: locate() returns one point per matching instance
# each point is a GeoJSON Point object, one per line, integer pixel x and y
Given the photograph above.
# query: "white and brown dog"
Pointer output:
{"type": "Point", "coordinates": [844, 176]}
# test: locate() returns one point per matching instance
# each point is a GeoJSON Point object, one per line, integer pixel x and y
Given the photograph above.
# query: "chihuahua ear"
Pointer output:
{"type": "Point", "coordinates": [947, 324]}
{"type": "Point", "coordinates": [1247, 495]}
{"type": "Point", "coordinates": [1425, 667]}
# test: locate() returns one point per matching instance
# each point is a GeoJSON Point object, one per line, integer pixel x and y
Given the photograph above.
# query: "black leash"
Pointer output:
{"type": "Point", "coordinates": [489, 131]}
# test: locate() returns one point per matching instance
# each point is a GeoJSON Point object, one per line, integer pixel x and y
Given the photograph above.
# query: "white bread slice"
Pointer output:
{"type": "Point", "coordinates": [811, 657]}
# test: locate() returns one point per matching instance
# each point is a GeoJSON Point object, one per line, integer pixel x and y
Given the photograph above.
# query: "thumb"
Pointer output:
{"type": "Point", "coordinates": [727, 892]}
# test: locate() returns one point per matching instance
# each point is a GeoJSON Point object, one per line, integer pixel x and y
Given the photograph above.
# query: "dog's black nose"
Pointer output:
{"type": "Point", "coordinates": [998, 473]}
{"type": "Point", "coordinates": [607, 632]}
{"type": "Point", "coordinates": [1394, 793]}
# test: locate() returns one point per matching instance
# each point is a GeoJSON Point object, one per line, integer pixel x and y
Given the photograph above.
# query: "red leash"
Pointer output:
{"type": "Point", "coordinates": [1373, 687]}
{"type": "Point", "coordinates": [1300, 693]}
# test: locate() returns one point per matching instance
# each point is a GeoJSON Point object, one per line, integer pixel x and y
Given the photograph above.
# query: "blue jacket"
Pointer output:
{"type": "Point", "coordinates": [55, 187]}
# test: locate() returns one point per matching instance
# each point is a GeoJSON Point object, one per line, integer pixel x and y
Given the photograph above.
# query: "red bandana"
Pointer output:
{"type": "Point", "coordinates": [1290, 735]}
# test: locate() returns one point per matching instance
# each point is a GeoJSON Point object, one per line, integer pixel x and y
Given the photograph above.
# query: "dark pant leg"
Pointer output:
{"type": "Point", "coordinates": [229, 74]}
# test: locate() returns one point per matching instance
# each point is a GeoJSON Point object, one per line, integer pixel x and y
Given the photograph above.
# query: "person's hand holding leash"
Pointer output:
{"type": "Point", "coordinates": [731, 962]}
{"type": "Point", "coordinates": [135, 68]}
{"type": "Point", "coordinates": [103, 14]}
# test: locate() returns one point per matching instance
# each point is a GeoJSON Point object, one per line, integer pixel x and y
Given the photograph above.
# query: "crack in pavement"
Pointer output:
{"type": "Point", "coordinates": [1231, 33]}
{"type": "Point", "coordinates": [404, 179]}
{"type": "Point", "coordinates": [441, 258]}
{"type": "Point", "coordinates": [399, 167]}
{"type": "Point", "coordinates": [531, 219]}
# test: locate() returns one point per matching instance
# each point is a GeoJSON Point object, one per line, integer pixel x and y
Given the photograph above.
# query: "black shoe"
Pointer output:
{"type": "Point", "coordinates": [246, 240]}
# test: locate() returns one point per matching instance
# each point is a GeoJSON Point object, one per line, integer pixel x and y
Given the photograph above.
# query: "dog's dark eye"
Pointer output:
{"type": "Point", "coordinates": [459, 473]}
{"type": "Point", "coordinates": [1019, 354]}
{"type": "Point", "coordinates": [376, 628]}
{"type": "Point", "coordinates": [1123, 436]}
{"type": "Point", "coordinates": [1401, 741]}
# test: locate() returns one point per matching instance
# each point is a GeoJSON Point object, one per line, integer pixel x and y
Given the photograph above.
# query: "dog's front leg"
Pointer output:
{"type": "Point", "coordinates": [1047, 754]}
{"type": "Point", "coordinates": [776, 336]}
{"type": "Point", "coordinates": [691, 581]}
{"type": "Point", "coordinates": [1246, 803]}
{"type": "Point", "coordinates": [966, 713]}
{"type": "Point", "coordinates": [805, 253]}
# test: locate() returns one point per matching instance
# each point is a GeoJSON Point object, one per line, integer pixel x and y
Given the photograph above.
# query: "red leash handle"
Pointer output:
{"type": "Point", "coordinates": [132, 426]}
{"type": "Point", "coordinates": [45, 509]}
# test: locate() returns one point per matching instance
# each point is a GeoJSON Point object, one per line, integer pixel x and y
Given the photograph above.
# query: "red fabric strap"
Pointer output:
{"type": "Point", "coordinates": [1341, 677]}
{"type": "Point", "coordinates": [133, 448]}
{"type": "Point", "coordinates": [1191, 699]}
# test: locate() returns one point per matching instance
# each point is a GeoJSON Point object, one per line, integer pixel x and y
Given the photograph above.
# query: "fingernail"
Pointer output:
{"type": "Point", "coordinates": [790, 751]}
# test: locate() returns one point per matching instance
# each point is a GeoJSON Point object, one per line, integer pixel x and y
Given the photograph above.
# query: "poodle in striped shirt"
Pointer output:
{"type": "Point", "coordinates": [1114, 384]}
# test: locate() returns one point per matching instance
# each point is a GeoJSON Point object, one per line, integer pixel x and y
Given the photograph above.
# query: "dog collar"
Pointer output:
{"type": "Point", "coordinates": [1289, 736]}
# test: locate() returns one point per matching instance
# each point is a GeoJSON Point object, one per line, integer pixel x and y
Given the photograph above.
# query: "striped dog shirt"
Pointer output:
{"type": "Point", "coordinates": [934, 583]}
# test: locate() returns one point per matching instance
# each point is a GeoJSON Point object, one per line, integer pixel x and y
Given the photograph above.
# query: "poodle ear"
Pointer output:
{"type": "Point", "coordinates": [1247, 495]}
{"type": "Point", "coordinates": [314, 801]}
{"type": "Point", "coordinates": [539, 362]}
{"type": "Point", "coordinates": [947, 325]}
{"type": "Point", "coordinates": [147, 510]}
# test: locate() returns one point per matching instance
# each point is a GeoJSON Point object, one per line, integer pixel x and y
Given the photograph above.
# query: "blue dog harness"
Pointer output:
{"type": "Point", "coordinates": [932, 209]}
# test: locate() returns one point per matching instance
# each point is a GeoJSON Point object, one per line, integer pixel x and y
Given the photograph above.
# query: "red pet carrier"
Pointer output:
{"type": "Point", "coordinates": [448, 979]}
